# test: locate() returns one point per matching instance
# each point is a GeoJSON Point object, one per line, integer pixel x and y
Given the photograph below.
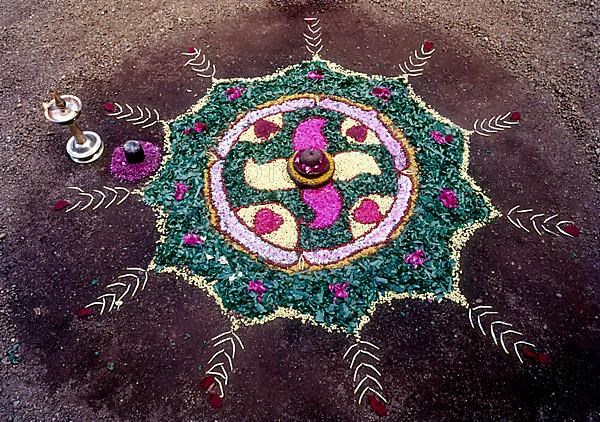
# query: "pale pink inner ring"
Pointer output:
{"type": "Point", "coordinates": [236, 230]}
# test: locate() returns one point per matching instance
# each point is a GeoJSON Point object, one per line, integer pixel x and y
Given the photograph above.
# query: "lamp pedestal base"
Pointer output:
{"type": "Point", "coordinates": [88, 151]}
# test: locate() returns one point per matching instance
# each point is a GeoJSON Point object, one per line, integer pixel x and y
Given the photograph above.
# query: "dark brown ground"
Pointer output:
{"type": "Point", "coordinates": [537, 57]}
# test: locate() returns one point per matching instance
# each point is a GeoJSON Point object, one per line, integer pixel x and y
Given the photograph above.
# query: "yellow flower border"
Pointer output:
{"type": "Point", "coordinates": [457, 241]}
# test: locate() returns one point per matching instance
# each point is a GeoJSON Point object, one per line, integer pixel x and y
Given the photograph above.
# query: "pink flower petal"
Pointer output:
{"type": "Point", "coordinates": [416, 259]}
{"type": "Point", "coordinates": [234, 92]}
{"type": "Point", "coordinates": [258, 287]}
{"type": "Point", "coordinates": [382, 92]}
{"type": "Point", "coordinates": [110, 107]}
{"type": "Point", "coordinates": [266, 221]}
{"type": "Point", "coordinates": [448, 198]}
{"type": "Point", "coordinates": [60, 204]}
{"type": "Point", "coordinates": [309, 135]}
{"type": "Point", "coordinates": [326, 202]}
{"type": "Point", "coordinates": [191, 239]}
{"type": "Point", "coordinates": [339, 290]}
{"type": "Point", "coordinates": [315, 74]}
{"type": "Point", "coordinates": [199, 126]}
{"type": "Point", "coordinates": [367, 212]}
{"type": "Point", "coordinates": [180, 191]}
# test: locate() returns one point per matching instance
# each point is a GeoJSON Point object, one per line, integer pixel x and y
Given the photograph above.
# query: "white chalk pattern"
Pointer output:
{"type": "Point", "coordinates": [362, 362]}
{"type": "Point", "coordinates": [313, 40]}
{"type": "Point", "coordinates": [497, 326]}
{"type": "Point", "coordinates": [133, 281]}
{"type": "Point", "coordinates": [416, 62]}
{"type": "Point", "coordinates": [537, 222]}
{"type": "Point", "coordinates": [223, 358]}
{"type": "Point", "coordinates": [495, 124]}
{"type": "Point", "coordinates": [98, 197]}
{"type": "Point", "coordinates": [138, 117]}
{"type": "Point", "coordinates": [203, 68]}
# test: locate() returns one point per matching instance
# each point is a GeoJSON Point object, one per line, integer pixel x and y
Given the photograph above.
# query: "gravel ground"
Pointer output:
{"type": "Point", "coordinates": [541, 56]}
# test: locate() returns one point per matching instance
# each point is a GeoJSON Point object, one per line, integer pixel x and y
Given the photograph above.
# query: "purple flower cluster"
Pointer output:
{"type": "Point", "coordinates": [121, 169]}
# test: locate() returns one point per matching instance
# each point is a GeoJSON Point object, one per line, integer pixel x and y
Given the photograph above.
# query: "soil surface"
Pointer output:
{"type": "Point", "coordinates": [142, 363]}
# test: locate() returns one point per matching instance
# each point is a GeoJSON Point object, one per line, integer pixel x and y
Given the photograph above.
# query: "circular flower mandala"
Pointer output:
{"type": "Point", "coordinates": [389, 223]}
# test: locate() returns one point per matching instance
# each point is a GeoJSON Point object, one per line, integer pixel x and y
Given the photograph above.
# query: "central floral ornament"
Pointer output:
{"type": "Point", "coordinates": [311, 167]}
{"type": "Point", "coordinates": [311, 211]}
{"type": "Point", "coordinates": [316, 198]}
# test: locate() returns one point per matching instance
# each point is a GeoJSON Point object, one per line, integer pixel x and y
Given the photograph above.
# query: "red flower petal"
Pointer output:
{"type": "Point", "coordinates": [448, 138]}
{"type": "Point", "coordinates": [215, 401]}
{"type": "Point", "coordinates": [110, 107]}
{"type": "Point", "coordinates": [377, 405]}
{"type": "Point", "coordinates": [264, 128]}
{"type": "Point", "coordinates": [266, 221]}
{"type": "Point", "coordinates": [191, 50]}
{"type": "Point", "coordinates": [199, 126]}
{"type": "Point", "coordinates": [382, 92]}
{"type": "Point", "coordinates": [315, 74]}
{"type": "Point", "coordinates": [572, 229]}
{"type": "Point", "coordinates": [427, 46]}
{"type": "Point", "coordinates": [544, 358]}
{"type": "Point", "coordinates": [207, 382]}
{"type": "Point", "coordinates": [84, 312]}
{"type": "Point", "coordinates": [60, 204]}
{"type": "Point", "coordinates": [367, 212]}
{"type": "Point", "coordinates": [529, 352]}
{"type": "Point", "coordinates": [358, 132]}
{"type": "Point", "coordinates": [515, 116]}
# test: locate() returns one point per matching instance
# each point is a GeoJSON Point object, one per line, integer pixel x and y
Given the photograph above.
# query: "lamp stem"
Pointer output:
{"type": "Point", "coordinates": [80, 138]}
{"type": "Point", "coordinates": [60, 103]}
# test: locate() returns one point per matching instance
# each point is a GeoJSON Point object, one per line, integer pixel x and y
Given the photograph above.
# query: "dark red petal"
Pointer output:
{"type": "Point", "coordinates": [358, 132]}
{"type": "Point", "coordinates": [529, 352]}
{"type": "Point", "coordinates": [267, 221]}
{"type": "Point", "coordinates": [207, 382]}
{"type": "Point", "coordinates": [264, 128]}
{"type": "Point", "coordinates": [191, 50]}
{"type": "Point", "coordinates": [215, 401]}
{"type": "Point", "coordinates": [427, 46]}
{"type": "Point", "coordinates": [377, 405]}
{"type": "Point", "coordinates": [515, 116]}
{"type": "Point", "coordinates": [544, 358]}
{"type": "Point", "coordinates": [60, 204]}
{"type": "Point", "coordinates": [84, 312]}
{"type": "Point", "coordinates": [199, 126]}
{"type": "Point", "coordinates": [572, 229]}
{"type": "Point", "coordinates": [110, 107]}
{"type": "Point", "coordinates": [448, 138]}
{"type": "Point", "coordinates": [367, 212]}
